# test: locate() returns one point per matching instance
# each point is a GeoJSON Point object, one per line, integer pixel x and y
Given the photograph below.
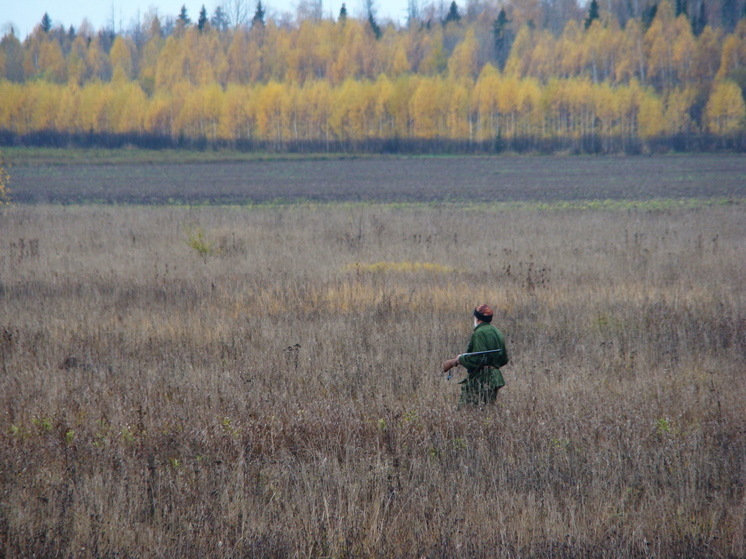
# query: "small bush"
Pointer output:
{"type": "Point", "coordinates": [197, 240]}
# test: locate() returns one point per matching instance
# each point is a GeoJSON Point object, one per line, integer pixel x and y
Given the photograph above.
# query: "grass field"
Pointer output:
{"type": "Point", "coordinates": [264, 380]}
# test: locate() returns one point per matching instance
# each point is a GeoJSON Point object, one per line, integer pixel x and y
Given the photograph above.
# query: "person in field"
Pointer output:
{"type": "Point", "coordinates": [484, 356]}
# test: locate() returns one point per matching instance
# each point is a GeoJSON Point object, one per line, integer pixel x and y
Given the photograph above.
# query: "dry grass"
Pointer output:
{"type": "Point", "coordinates": [278, 393]}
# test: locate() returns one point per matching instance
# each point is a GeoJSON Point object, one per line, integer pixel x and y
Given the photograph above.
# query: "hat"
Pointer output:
{"type": "Point", "coordinates": [483, 313]}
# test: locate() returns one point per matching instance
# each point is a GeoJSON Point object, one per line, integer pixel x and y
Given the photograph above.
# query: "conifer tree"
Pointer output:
{"type": "Point", "coordinates": [46, 23]}
{"type": "Point", "coordinates": [343, 13]}
{"type": "Point", "coordinates": [648, 15]}
{"type": "Point", "coordinates": [219, 19]}
{"type": "Point", "coordinates": [374, 25]}
{"type": "Point", "coordinates": [593, 14]}
{"type": "Point", "coordinates": [699, 20]}
{"type": "Point", "coordinates": [184, 20]}
{"type": "Point", "coordinates": [502, 38]}
{"type": "Point", "coordinates": [258, 19]}
{"type": "Point", "coordinates": [453, 14]}
{"type": "Point", "coordinates": [202, 21]}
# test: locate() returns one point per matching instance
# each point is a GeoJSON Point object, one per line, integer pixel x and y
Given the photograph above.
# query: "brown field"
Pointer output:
{"type": "Point", "coordinates": [215, 178]}
{"type": "Point", "coordinates": [263, 381]}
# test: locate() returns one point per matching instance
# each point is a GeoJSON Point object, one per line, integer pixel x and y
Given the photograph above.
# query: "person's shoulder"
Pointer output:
{"type": "Point", "coordinates": [484, 329]}
{"type": "Point", "coordinates": [494, 330]}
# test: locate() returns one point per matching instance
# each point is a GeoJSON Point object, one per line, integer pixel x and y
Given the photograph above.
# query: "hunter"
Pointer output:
{"type": "Point", "coordinates": [484, 356]}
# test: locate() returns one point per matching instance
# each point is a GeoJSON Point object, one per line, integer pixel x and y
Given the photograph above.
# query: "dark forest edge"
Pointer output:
{"type": "Point", "coordinates": [525, 145]}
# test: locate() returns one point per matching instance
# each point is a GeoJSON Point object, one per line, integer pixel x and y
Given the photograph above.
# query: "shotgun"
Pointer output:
{"type": "Point", "coordinates": [474, 353]}
{"type": "Point", "coordinates": [480, 352]}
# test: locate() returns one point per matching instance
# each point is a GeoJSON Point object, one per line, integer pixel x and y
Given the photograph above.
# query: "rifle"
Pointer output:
{"type": "Point", "coordinates": [480, 352]}
{"type": "Point", "coordinates": [450, 375]}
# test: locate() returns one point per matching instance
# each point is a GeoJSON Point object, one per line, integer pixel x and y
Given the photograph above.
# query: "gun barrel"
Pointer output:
{"type": "Point", "coordinates": [480, 352]}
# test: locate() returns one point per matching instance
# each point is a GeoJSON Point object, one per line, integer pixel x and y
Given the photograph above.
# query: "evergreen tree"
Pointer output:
{"type": "Point", "coordinates": [453, 14]}
{"type": "Point", "coordinates": [183, 19]}
{"type": "Point", "coordinates": [219, 19]}
{"type": "Point", "coordinates": [593, 14]}
{"type": "Point", "coordinates": [202, 21]}
{"type": "Point", "coordinates": [343, 13]}
{"type": "Point", "coordinates": [699, 20]}
{"type": "Point", "coordinates": [648, 15]}
{"type": "Point", "coordinates": [374, 25]}
{"type": "Point", "coordinates": [258, 19]}
{"type": "Point", "coordinates": [502, 38]}
{"type": "Point", "coordinates": [681, 7]}
{"type": "Point", "coordinates": [106, 39]}
{"type": "Point", "coordinates": [46, 23]}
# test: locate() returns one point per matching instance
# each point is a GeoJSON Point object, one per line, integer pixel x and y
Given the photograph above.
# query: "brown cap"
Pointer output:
{"type": "Point", "coordinates": [484, 313]}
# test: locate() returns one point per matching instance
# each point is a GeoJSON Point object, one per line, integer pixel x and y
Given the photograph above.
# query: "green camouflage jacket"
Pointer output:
{"type": "Point", "coordinates": [486, 367]}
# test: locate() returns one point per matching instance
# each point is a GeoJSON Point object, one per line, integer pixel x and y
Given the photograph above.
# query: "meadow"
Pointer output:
{"type": "Point", "coordinates": [263, 380]}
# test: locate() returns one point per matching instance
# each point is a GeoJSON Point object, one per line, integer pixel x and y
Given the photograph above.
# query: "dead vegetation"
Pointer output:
{"type": "Point", "coordinates": [279, 394]}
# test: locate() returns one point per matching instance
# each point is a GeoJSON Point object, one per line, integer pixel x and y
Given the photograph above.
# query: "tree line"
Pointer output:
{"type": "Point", "coordinates": [484, 79]}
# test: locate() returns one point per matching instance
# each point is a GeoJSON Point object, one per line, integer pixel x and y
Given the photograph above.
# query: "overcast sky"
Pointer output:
{"type": "Point", "coordinates": [24, 15]}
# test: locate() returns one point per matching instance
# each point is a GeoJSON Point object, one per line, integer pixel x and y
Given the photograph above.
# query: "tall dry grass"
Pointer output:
{"type": "Point", "coordinates": [270, 387]}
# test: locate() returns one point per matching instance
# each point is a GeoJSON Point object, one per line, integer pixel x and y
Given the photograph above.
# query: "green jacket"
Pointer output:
{"type": "Point", "coordinates": [486, 367]}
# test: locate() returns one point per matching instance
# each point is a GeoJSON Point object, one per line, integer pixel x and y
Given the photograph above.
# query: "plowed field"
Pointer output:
{"type": "Point", "coordinates": [457, 179]}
